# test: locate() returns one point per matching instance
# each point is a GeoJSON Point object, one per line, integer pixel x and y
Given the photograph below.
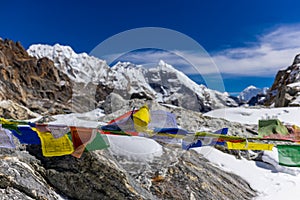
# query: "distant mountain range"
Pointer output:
{"type": "Point", "coordinates": [162, 83]}
{"type": "Point", "coordinates": [58, 80]}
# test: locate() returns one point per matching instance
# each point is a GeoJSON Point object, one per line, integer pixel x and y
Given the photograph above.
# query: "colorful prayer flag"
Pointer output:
{"type": "Point", "coordinates": [58, 131]}
{"type": "Point", "coordinates": [271, 126]}
{"type": "Point", "coordinates": [26, 135]}
{"type": "Point", "coordinates": [204, 140]}
{"type": "Point", "coordinates": [141, 119]}
{"type": "Point", "coordinates": [289, 155]}
{"type": "Point", "coordinates": [54, 147]}
{"type": "Point", "coordinates": [162, 119]}
{"type": "Point", "coordinates": [84, 138]}
{"type": "Point", "coordinates": [250, 146]}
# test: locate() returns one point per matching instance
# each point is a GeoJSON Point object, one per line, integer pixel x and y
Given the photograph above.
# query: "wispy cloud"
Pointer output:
{"type": "Point", "coordinates": [272, 51]}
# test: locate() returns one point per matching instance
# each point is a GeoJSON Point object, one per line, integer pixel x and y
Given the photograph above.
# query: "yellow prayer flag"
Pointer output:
{"type": "Point", "coordinates": [54, 147]}
{"type": "Point", "coordinates": [249, 146]}
{"type": "Point", "coordinates": [142, 118]}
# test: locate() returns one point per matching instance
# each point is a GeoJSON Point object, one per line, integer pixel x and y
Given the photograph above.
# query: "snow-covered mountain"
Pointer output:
{"type": "Point", "coordinates": [79, 67]}
{"type": "Point", "coordinates": [251, 91]}
{"type": "Point", "coordinates": [162, 83]}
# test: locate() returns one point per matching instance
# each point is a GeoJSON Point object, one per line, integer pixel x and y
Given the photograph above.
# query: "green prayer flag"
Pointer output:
{"type": "Point", "coordinates": [99, 142]}
{"type": "Point", "coordinates": [289, 155]}
{"type": "Point", "coordinates": [271, 126]}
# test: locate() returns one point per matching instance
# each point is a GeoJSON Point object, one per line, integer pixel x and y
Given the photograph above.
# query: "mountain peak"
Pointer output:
{"type": "Point", "coordinates": [250, 92]}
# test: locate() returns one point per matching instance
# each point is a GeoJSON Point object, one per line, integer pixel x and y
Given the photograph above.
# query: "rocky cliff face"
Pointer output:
{"type": "Point", "coordinates": [285, 90]}
{"type": "Point", "coordinates": [31, 82]}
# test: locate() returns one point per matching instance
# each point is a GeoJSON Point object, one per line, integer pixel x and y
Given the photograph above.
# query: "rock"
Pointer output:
{"type": "Point", "coordinates": [12, 110]}
{"type": "Point", "coordinates": [113, 102]}
{"type": "Point", "coordinates": [19, 180]}
{"type": "Point", "coordinates": [31, 82]}
{"type": "Point", "coordinates": [174, 175]}
{"type": "Point", "coordinates": [285, 89]}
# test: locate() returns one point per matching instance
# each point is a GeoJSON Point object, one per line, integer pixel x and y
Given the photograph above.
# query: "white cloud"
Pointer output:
{"type": "Point", "coordinates": [273, 51]}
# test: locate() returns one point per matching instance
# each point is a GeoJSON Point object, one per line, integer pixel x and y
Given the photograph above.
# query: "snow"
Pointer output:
{"type": "Point", "coordinates": [251, 115]}
{"type": "Point", "coordinates": [271, 182]}
{"type": "Point", "coordinates": [134, 148]}
{"type": "Point", "coordinates": [88, 119]}
{"type": "Point", "coordinates": [292, 85]}
{"type": "Point", "coordinates": [79, 67]}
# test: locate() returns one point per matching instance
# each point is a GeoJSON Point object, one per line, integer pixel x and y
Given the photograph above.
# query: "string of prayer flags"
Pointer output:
{"type": "Point", "coordinates": [115, 130]}
{"type": "Point", "coordinates": [250, 146]}
{"type": "Point", "coordinates": [220, 137]}
{"type": "Point", "coordinates": [122, 125]}
{"type": "Point", "coordinates": [168, 135]}
{"type": "Point", "coordinates": [6, 140]}
{"type": "Point", "coordinates": [289, 155]}
{"type": "Point", "coordinates": [222, 131]}
{"type": "Point", "coordinates": [172, 132]}
{"type": "Point", "coordinates": [204, 141]}
{"type": "Point", "coordinates": [54, 146]}
{"type": "Point", "coordinates": [15, 122]}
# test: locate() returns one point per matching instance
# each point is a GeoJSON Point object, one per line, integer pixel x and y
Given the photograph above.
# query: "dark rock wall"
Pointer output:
{"type": "Point", "coordinates": [30, 82]}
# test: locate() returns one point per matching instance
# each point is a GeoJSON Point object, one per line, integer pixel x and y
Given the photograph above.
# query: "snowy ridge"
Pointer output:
{"type": "Point", "coordinates": [129, 79]}
{"type": "Point", "coordinates": [79, 67]}
{"type": "Point", "coordinates": [176, 86]}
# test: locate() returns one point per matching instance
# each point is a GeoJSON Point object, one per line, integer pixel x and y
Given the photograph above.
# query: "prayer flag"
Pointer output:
{"type": "Point", "coordinates": [26, 135]}
{"type": "Point", "coordinates": [289, 155]}
{"type": "Point", "coordinates": [250, 146]}
{"type": "Point", "coordinates": [54, 146]}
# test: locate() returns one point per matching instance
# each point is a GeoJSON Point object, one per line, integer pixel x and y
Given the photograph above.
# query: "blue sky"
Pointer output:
{"type": "Point", "coordinates": [248, 40]}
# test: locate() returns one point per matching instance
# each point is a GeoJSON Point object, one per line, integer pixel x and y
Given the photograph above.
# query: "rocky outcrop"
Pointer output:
{"type": "Point", "coordinates": [102, 175]}
{"type": "Point", "coordinates": [286, 87]}
{"type": "Point", "coordinates": [31, 82]}
{"type": "Point", "coordinates": [12, 110]}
